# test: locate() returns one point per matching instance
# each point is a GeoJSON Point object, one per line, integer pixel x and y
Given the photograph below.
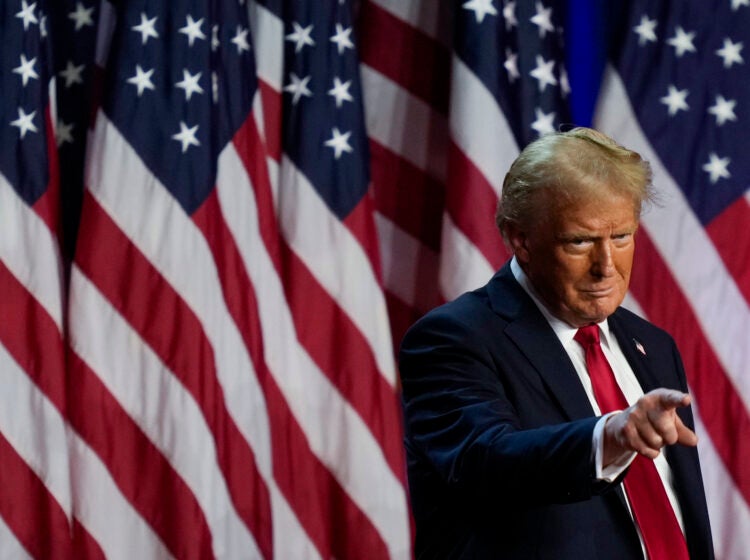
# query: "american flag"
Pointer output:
{"type": "Point", "coordinates": [213, 376]}
{"type": "Point", "coordinates": [228, 388]}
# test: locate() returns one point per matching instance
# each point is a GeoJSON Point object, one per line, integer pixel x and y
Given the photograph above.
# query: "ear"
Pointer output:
{"type": "Point", "coordinates": [517, 239]}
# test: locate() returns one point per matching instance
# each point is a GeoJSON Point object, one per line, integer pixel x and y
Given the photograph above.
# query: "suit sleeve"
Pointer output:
{"type": "Point", "coordinates": [462, 425]}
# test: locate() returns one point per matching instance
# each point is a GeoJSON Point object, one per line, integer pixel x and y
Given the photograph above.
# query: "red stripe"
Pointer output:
{"type": "Point", "coordinates": [407, 56]}
{"type": "Point", "coordinates": [140, 471]}
{"type": "Point", "coordinates": [339, 349]}
{"type": "Point", "coordinates": [335, 524]}
{"type": "Point", "coordinates": [154, 310]}
{"type": "Point", "coordinates": [84, 545]}
{"type": "Point", "coordinates": [471, 203]}
{"type": "Point", "coordinates": [733, 242]}
{"type": "Point", "coordinates": [271, 100]}
{"type": "Point", "coordinates": [407, 196]}
{"type": "Point", "coordinates": [402, 316]}
{"type": "Point", "coordinates": [29, 510]}
{"type": "Point", "coordinates": [722, 410]}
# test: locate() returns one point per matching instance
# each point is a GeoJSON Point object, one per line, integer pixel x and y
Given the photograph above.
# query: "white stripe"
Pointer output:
{"type": "Point", "coordinates": [728, 511]}
{"type": "Point", "coordinates": [160, 405]}
{"type": "Point", "coordinates": [30, 251]}
{"type": "Point", "coordinates": [463, 266]}
{"type": "Point", "coordinates": [35, 429]}
{"type": "Point", "coordinates": [10, 548]}
{"type": "Point", "coordinates": [478, 126]}
{"type": "Point", "coordinates": [336, 433]}
{"type": "Point", "coordinates": [153, 220]}
{"type": "Point", "coordinates": [405, 124]}
{"type": "Point", "coordinates": [719, 306]}
{"type": "Point", "coordinates": [409, 266]}
{"type": "Point", "coordinates": [268, 38]}
{"type": "Point", "coordinates": [119, 530]}
{"type": "Point", "coordinates": [431, 18]}
{"type": "Point", "coordinates": [337, 260]}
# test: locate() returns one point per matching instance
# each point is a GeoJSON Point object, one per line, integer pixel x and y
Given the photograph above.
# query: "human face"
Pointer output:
{"type": "Point", "coordinates": [579, 257]}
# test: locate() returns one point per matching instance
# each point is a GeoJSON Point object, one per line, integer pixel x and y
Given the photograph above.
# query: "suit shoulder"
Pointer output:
{"type": "Point", "coordinates": [636, 324]}
{"type": "Point", "coordinates": [466, 314]}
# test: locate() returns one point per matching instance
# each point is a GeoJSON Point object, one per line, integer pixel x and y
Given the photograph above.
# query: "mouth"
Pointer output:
{"type": "Point", "coordinates": [598, 292]}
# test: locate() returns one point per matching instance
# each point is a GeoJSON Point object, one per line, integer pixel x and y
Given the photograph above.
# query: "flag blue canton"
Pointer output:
{"type": "Point", "coordinates": [517, 52]}
{"type": "Point", "coordinates": [180, 82]}
{"type": "Point", "coordinates": [323, 129]}
{"type": "Point", "coordinates": [25, 97]}
{"type": "Point", "coordinates": [685, 71]}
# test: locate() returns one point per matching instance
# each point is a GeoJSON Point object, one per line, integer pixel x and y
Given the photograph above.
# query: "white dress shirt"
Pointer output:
{"type": "Point", "coordinates": [625, 378]}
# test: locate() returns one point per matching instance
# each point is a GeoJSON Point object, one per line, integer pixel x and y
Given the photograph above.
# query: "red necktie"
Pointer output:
{"type": "Point", "coordinates": [648, 500]}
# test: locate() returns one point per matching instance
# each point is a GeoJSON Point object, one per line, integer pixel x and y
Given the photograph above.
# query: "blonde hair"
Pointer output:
{"type": "Point", "coordinates": [581, 163]}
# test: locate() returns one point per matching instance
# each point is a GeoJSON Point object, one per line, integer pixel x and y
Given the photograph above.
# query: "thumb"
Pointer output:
{"type": "Point", "coordinates": [685, 435]}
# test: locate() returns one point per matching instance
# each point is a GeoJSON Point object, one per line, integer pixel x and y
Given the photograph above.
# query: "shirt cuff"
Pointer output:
{"type": "Point", "coordinates": [618, 466]}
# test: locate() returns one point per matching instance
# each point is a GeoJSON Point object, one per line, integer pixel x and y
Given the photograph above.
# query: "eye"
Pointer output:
{"type": "Point", "coordinates": [622, 239]}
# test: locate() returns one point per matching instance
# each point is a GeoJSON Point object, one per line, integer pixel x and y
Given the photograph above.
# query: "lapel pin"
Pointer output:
{"type": "Point", "coordinates": [639, 347]}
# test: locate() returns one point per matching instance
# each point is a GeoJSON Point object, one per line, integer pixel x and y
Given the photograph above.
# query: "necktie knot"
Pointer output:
{"type": "Point", "coordinates": [588, 335]}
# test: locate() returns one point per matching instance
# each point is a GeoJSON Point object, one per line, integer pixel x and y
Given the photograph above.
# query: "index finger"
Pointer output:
{"type": "Point", "coordinates": [669, 398]}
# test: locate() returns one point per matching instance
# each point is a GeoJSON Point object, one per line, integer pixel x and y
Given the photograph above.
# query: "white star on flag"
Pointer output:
{"type": "Point", "coordinates": [240, 40]}
{"type": "Point", "coordinates": [737, 3]}
{"type": "Point", "coordinates": [723, 110]}
{"type": "Point", "coordinates": [340, 91]}
{"type": "Point", "coordinates": [564, 82]}
{"type": "Point", "coordinates": [675, 100]}
{"type": "Point", "coordinates": [72, 74]}
{"type": "Point", "coordinates": [509, 14]}
{"type": "Point", "coordinates": [146, 28]}
{"type": "Point", "coordinates": [26, 70]}
{"type": "Point", "coordinates": [646, 30]}
{"type": "Point", "coordinates": [300, 36]}
{"type": "Point", "coordinates": [717, 168]}
{"type": "Point", "coordinates": [730, 53]}
{"type": "Point", "coordinates": [480, 8]}
{"type": "Point", "coordinates": [82, 16]}
{"type": "Point", "coordinates": [682, 41]}
{"type": "Point", "coordinates": [27, 14]}
{"type": "Point", "coordinates": [342, 38]}
{"type": "Point", "coordinates": [186, 136]}
{"type": "Point", "coordinates": [511, 65]}
{"type": "Point", "coordinates": [298, 87]}
{"type": "Point", "coordinates": [543, 19]}
{"type": "Point", "coordinates": [142, 80]}
{"type": "Point", "coordinates": [544, 123]}
{"type": "Point", "coordinates": [543, 72]}
{"type": "Point", "coordinates": [192, 29]}
{"type": "Point", "coordinates": [25, 122]}
{"type": "Point", "coordinates": [339, 142]}
{"type": "Point", "coordinates": [215, 37]}
{"type": "Point", "coordinates": [190, 84]}
{"type": "Point", "coordinates": [63, 133]}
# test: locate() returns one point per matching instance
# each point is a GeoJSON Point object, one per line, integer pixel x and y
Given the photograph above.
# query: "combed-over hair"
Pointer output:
{"type": "Point", "coordinates": [581, 163]}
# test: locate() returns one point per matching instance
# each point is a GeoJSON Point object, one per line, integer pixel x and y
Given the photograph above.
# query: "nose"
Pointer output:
{"type": "Point", "coordinates": [602, 264]}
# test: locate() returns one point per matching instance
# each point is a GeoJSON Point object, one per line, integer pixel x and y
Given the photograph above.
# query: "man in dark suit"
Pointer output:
{"type": "Point", "coordinates": [510, 452]}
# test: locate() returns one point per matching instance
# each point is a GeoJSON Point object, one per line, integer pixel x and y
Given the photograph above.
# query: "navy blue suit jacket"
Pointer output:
{"type": "Point", "coordinates": [499, 435]}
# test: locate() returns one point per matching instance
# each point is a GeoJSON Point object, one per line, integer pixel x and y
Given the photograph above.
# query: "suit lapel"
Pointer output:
{"type": "Point", "coordinates": [535, 339]}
